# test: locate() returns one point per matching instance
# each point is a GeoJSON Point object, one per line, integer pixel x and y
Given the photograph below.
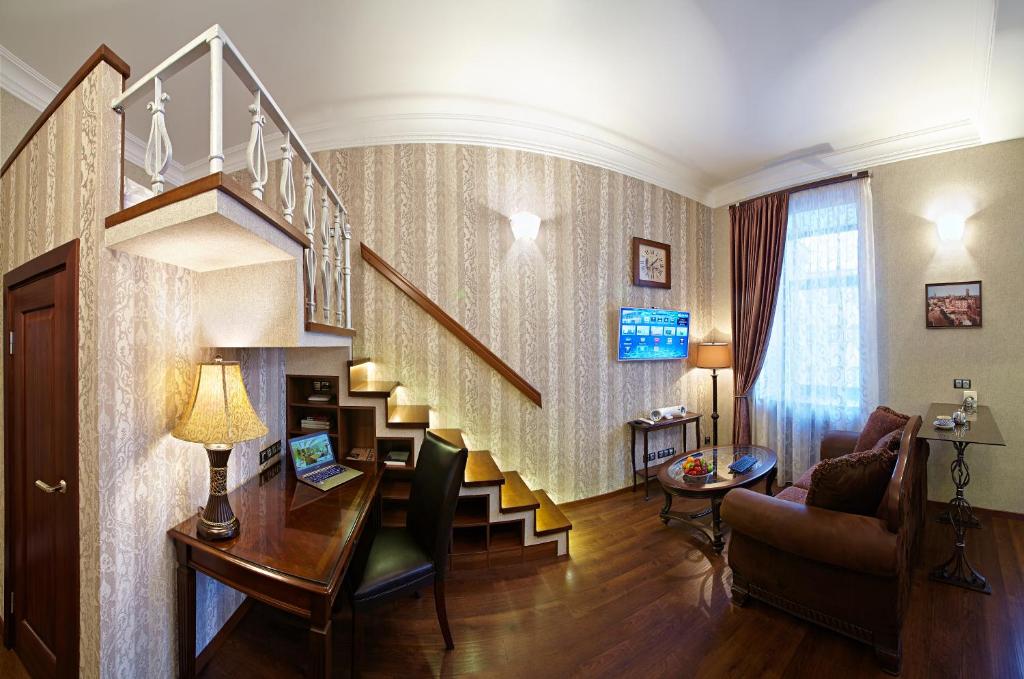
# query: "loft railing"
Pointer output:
{"type": "Point", "coordinates": [332, 278]}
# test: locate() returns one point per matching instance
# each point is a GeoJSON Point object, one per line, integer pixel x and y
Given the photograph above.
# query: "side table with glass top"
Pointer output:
{"type": "Point", "coordinates": [980, 429]}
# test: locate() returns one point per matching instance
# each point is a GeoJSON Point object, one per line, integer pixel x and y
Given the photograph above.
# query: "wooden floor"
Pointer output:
{"type": "Point", "coordinates": [638, 599]}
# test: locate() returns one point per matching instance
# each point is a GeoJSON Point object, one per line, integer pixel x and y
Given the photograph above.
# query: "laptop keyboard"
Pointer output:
{"type": "Point", "coordinates": [322, 475]}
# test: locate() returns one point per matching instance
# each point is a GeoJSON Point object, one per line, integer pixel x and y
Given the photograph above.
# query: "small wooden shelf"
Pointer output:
{"type": "Point", "coordinates": [318, 406]}
{"type": "Point", "coordinates": [506, 536]}
{"type": "Point", "coordinates": [471, 540]}
{"type": "Point", "coordinates": [471, 511]}
{"type": "Point", "coordinates": [395, 489]}
{"type": "Point", "coordinates": [303, 432]}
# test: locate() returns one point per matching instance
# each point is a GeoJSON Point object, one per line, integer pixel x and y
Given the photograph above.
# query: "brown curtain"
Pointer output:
{"type": "Point", "coordinates": [758, 241]}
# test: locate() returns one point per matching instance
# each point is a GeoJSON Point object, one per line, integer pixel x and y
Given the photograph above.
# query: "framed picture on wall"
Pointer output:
{"type": "Point", "coordinates": [652, 263]}
{"type": "Point", "coordinates": [953, 305]}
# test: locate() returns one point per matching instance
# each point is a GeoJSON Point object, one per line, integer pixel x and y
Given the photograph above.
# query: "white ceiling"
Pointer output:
{"type": "Point", "coordinates": [717, 99]}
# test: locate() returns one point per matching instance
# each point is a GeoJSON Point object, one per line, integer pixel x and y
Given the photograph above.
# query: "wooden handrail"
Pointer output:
{"type": "Point", "coordinates": [453, 326]}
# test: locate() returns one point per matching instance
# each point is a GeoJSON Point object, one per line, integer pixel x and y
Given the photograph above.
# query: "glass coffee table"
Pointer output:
{"type": "Point", "coordinates": [674, 485]}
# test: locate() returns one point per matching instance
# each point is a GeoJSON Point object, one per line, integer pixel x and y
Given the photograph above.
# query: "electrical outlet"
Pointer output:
{"type": "Point", "coordinates": [966, 384]}
{"type": "Point", "coordinates": [958, 383]}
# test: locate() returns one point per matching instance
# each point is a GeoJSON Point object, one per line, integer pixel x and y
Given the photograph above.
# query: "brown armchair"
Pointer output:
{"type": "Point", "coordinates": [847, 572]}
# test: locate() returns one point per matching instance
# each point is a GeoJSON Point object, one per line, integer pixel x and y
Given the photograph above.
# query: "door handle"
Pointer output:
{"type": "Point", "coordinates": [61, 487]}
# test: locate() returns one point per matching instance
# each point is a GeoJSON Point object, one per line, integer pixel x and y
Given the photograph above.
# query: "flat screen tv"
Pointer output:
{"type": "Point", "coordinates": [653, 334]}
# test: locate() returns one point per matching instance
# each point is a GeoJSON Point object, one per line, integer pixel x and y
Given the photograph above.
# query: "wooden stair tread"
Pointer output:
{"type": "Point", "coordinates": [381, 388]}
{"type": "Point", "coordinates": [358, 361]}
{"type": "Point", "coordinates": [410, 417]}
{"type": "Point", "coordinates": [452, 436]}
{"type": "Point", "coordinates": [516, 496]}
{"type": "Point", "coordinates": [482, 470]}
{"type": "Point", "coordinates": [549, 518]}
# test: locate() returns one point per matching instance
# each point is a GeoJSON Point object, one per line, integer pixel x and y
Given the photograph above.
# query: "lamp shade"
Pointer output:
{"type": "Point", "coordinates": [713, 355]}
{"type": "Point", "coordinates": [219, 411]}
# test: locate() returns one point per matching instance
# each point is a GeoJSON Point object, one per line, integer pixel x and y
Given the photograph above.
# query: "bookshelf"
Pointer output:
{"type": "Point", "coordinates": [348, 426]}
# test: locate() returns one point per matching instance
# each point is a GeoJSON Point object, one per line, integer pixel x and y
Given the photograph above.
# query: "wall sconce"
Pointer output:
{"type": "Point", "coordinates": [525, 225]}
{"type": "Point", "coordinates": [950, 228]}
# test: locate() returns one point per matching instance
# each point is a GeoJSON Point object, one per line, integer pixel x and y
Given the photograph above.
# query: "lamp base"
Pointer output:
{"type": "Point", "coordinates": [218, 520]}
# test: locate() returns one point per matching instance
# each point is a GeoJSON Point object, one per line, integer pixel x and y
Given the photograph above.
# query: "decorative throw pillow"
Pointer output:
{"type": "Point", "coordinates": [891, 441]}
{"type": "Point", "coordinates": [882, 421]}
{"type": "Point", "coordinates": [853, 483]}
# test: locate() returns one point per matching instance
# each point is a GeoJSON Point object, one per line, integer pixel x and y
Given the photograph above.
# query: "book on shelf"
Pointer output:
{"type": "Point", "coordinates": [396, 458]}
{"type": "Point", "coordinates": [317, 423]}
{"type": "Point", "coordinates": [362, 454]}
{"type": "Point", "coordinates": [319, 398]}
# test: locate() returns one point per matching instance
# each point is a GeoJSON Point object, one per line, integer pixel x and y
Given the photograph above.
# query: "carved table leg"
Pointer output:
{"type": "Point", "coordinates": [957, 570]}
{"type": "Point", "coordinates": [716, 525]}
{"type": "Point", "coordinates": [666, 509]}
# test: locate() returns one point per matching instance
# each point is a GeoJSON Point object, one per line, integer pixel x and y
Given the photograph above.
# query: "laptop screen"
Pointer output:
{"type": "Point", "coordinates": [310, 451]}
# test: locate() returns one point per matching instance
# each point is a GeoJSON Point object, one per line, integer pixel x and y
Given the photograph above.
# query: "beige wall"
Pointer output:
{"type": "Point", "coordinates": [59, 188]}
{"type": "Point", "coordinates": [438, 213]}
{"type": "Point", "coordinates": [917, 365]}
{"type": "Point", "coordinates": [15, 118]}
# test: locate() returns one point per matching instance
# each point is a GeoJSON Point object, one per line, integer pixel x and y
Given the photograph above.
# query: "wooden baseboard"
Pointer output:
{"type": "Point", "coordinates": [598, 498]}
{"type": "Point", "coordinates": [222, 635]}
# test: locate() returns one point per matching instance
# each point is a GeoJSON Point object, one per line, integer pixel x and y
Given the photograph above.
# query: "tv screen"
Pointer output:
{"type": "Point", "coordinates": [653, 334]}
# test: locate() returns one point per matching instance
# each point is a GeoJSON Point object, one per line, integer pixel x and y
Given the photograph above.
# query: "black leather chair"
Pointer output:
{"type": "Point", "coordinates": [402, 561]}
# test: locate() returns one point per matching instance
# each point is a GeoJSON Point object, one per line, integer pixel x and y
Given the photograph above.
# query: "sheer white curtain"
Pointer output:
{"type": "Point", "coordinates": [821, 369]}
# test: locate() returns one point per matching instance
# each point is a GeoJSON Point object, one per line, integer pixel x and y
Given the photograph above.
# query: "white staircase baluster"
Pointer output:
{"type": "Point", "coordinates": [216, 104]}
{"type": "Point", "coordinates": [309, 217]}
{"type": "Point", "coordinates": [158, 149]}
{"type": "Point", "coordinates": [325, 259]}
{"type": "Point", "coordinates": [256, 154]}
{"type": "Point", "coordinates": [339, 314]}
{"type": "Point", "coordinates": [287, 180]}
{"type": "Point", "coordinates": [346, 271]}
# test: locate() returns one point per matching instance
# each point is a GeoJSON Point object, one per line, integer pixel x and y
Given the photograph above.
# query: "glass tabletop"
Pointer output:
{"type": "Point", "coordinates": [721, 457]}
{"type": "Point", "coordinates": [980, 427]}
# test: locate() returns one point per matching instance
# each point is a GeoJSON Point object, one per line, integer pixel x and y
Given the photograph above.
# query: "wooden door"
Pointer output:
{"type": "Point", "coordinates": [40, 345]}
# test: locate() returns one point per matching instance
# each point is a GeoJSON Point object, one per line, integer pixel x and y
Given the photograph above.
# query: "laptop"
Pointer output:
{"type": "Point", "coordinates": [314, 462]}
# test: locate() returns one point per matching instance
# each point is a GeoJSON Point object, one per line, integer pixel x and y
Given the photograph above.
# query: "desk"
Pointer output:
{"type": "Point", "coordinates": [645, 429]}
{"type": "Point", "coordinates": [292, 553]}
{"type": "Point", "coordinates": [979, 429]}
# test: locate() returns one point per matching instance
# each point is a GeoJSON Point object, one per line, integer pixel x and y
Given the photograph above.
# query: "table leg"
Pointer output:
{"type": "Point", "coordinates": [320, 639]}
{"type": "Point", "coordinates": [717, 542]}
{"type": "Point", "coordinates": [666, 509]}
{"type": "Point", "coordinates": [769, 482]}
{"type": "Point", "coordinates": [647, 478]}
{"type": "Point", "coordinates": [697, 424]}
{"type": "Point", "coordinates": [632, 454]}
{"type": "Point", "coordinates": [957, 570]}
{"type": "Point", "coordinates": [186, 605]}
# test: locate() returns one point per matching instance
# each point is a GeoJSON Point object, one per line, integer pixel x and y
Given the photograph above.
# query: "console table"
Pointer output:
{"type": "Point", "coordinates": [980, 429]}
{"type": "Point", "coordinates": [292, 553]}
{"type": "Point", "coordinates": [646, 428]}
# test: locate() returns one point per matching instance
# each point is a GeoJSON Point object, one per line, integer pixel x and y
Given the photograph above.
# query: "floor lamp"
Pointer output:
{"type": "Point", "coordinates": [714, 356]}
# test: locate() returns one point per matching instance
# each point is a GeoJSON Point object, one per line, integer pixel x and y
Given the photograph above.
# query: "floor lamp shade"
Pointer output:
{"type": "Point", "coordinates": [713, 355]}
{"type": "Point", "coordinates": [219, 415]}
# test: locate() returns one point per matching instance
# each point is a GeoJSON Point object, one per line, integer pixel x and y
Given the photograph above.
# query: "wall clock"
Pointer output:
{"type": "Point", "coordinates": [652, 263]}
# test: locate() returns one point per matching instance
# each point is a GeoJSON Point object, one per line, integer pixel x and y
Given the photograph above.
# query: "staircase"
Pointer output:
{"type": "Point", "coordinates": [499, 519]}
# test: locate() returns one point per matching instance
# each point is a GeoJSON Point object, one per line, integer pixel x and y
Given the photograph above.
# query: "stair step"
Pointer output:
{"type": "Point", "coordinates": [409, 417]}
{"type": "Point", "coordinates": [549, 518]}
{"type": "Point", "coordinates": [358, 361]}
{"type": "Point", "coordinates": [379, 388]}
{"type": "Point", "coordinates": [516, 496]}
{"type": "Point", "coordinates": [452, 436]}
{"type": "Point", "coordinates": [482, 470]}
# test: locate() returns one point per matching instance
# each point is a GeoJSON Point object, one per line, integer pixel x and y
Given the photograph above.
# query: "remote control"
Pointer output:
{"type": "Point", "coordinates": [743, 465]}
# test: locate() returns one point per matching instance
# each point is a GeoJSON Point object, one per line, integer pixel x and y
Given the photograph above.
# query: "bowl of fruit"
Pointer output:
{"type": "Point", "coordinates": [696, 469]}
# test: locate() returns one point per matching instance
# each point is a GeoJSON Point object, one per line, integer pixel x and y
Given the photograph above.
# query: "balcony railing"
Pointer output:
{"type": "Point", "coordinates": [327, 274]}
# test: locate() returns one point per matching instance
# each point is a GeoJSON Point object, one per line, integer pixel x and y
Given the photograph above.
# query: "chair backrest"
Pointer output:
{"type": "Point", "coordinates": [900, 491]}
{"type": "Point", "coordinates": [440, 468]}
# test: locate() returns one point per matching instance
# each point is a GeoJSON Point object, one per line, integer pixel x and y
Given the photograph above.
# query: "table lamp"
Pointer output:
{"type": "Point", "coordinates": [713, 355]}
{"type": "Point", "coordinates": [219, 415]}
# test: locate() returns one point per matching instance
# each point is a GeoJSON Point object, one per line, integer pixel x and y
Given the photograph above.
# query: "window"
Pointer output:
{"type": "Point", "coordinates": [820, 368]}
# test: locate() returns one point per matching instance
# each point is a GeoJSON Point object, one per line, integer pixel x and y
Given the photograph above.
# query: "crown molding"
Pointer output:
{"type": "Point", "coordinates": [36, 90]}
{"type": "Point", "coordinates": [961, 134]}
{"type": "Point", "coordinates": [632, 160]}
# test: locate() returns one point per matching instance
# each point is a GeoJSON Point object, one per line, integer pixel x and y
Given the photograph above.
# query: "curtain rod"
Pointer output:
{"type": "Point", "coordinates": [863, 174]}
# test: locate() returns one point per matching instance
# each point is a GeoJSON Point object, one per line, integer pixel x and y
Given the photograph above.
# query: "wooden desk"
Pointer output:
{"type": "Point", "coordinates": [292, 553]}
{"type": "Point", "coordinates": [645, 429]}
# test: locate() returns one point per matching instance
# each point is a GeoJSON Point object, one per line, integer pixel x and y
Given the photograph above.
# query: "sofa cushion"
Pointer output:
{"type": "Point", "coordinates": [793, 494]}
{"type": "Point", "coordinates": [853, 483]}
{"type": "Point", "coordinates": [881, 422]}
